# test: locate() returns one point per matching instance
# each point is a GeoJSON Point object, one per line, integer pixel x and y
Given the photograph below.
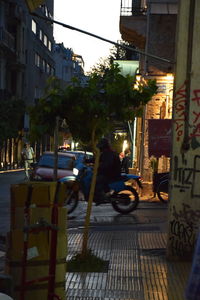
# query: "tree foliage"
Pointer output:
{"type": "Point", "coordinates": [11, 121]}
{"type": "Point", "coordinates": [91, 110]}
{"type": "Point", "coordinates": [116, 53]}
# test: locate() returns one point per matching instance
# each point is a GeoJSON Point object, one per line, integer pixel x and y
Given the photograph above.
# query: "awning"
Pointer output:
{"type": "Point", "coordinates": [128, 67]}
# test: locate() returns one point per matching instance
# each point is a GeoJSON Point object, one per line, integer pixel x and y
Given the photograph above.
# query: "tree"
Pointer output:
{"type": "Point", "coordinates": [12, 112]}
{"type": "Point", "coordinates": [91, 111]}
{"type": "Point", "coordinates": [116, 53]}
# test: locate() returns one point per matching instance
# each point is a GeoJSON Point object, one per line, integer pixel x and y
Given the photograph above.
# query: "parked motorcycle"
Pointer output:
{"type": "Point", "coordinates": [122, 195]}
{"type": "Point", "coordinates": [161, 186]}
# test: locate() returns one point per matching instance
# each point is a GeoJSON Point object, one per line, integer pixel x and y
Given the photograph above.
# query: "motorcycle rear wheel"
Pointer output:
{"type": "Point", "coordinates": [71, 200]}
{"type": "Point", "coordinates": [125, 201]}
{"type": "Point", "coordinates": [162, 191]}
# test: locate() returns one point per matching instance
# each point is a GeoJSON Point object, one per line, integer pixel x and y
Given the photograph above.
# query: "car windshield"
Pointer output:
{"type": "Point", "coordinates": [64, 162]}
{"type": "Point", "coordinates": [80, 155]}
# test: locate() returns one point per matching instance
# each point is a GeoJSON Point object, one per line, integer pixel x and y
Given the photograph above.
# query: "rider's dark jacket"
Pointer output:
{"type": "Point", "coordinates": [109, 165]}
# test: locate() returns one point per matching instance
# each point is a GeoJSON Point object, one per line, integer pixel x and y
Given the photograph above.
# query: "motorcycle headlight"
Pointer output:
{"type": "Point", "coordinates": [75, 171]}
{"type": "Point", "coordinates": [37, 177]}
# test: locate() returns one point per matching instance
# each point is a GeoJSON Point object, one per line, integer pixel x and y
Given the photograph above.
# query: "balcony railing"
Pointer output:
{"type": "Point", "coordinates": [133, 7]}
{"type": "Point", "coordinates": [7, 39]}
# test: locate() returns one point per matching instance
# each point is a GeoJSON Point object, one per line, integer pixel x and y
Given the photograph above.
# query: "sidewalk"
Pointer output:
{"type": "Point", "coordinates": [136, 252]}
{"type": "Point", "coordinates": [134, 246]}
{"type": "Point", "coordinates": [137, 270]}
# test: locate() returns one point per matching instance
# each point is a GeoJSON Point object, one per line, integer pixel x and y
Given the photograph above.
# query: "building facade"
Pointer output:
{"type": "Point", "coordinates": [67, 64]}
{"type": "Point", "coordinates": [150, 25]}
{"type": "Point", "coordinates": [26, 61]}
{"type": "Point", "coordinates": [28, 57]}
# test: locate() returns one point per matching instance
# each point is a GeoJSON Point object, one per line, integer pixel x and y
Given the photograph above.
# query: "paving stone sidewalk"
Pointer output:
{"type": "Point", "coordinates": [138, 269]}
{"type": "Point", "coordinates": [135, 247]}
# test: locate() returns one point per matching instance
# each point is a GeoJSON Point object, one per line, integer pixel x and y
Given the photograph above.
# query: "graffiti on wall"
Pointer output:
{"type": "Point", "coordinates": [179, 108]}
{"type": "Point", "coordinates": [195, 121]}
{"type": "Point", "coordinates": [183, 228]}
{"type": "Point", "coordinates": [180, 116]}
{"type": "Point", "coordinates": [187, 215]}
{"type": "Point", "coordinates": [187, 177]}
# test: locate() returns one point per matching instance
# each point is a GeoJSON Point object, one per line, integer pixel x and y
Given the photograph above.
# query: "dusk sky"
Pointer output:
{"type": "Point", "coordinates": [98, 17]}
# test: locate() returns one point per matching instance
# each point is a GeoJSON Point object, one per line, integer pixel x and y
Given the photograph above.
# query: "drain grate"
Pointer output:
{"type": "Point", "coordinates": [153, 252]}
{"type": "Point", "coordinates": [105, 295]}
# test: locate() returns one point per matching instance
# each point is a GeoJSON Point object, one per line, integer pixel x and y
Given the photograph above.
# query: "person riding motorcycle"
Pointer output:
{"type": "Point", "coordinates": [109, 170]}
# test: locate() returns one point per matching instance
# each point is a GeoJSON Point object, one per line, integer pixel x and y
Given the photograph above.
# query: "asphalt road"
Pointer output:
{"type": "Point", "coordinates": [6, 179]}
{"type": "Point", "coordinates": [147, 213]}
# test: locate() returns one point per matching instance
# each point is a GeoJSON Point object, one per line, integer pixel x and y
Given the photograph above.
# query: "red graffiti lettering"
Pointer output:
{"type": "Point", "coordinates": [197, 96]}
{"type": "Point", "coordinates": [181, 93]}
{"type": "Point", "coordinates": [179, 102]}
{"type": "Point", "coordinates": [178, 126]}
{"type": "Point", "coordinates": [196, 131]}
{"type": "Point", "coordinates": [197, 115]}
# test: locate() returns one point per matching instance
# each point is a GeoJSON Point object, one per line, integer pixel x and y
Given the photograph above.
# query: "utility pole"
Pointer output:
{"type": "Point", "coordinates": [55, 171]}
{"type": "Point", "coordinates": [184, 206]}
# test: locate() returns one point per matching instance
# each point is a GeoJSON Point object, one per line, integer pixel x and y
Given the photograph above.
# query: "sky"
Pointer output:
{"type": "Point", "coordinates": [100, 17]}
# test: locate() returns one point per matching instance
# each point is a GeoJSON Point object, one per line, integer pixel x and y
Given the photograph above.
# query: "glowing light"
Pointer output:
{"type": "Point", "coordinates": [125, 145]}
{"type": "Point", "coordinates": [170, 77]}
{"type": "Point", "coordinates": [138, 77]}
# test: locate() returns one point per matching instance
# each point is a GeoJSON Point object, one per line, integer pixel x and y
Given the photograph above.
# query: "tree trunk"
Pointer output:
{"type": "Point", "coordinates": [91, 196]}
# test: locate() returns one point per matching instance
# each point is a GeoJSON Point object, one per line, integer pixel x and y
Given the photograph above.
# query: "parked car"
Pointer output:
{"type": "Point", "coordinates": [44, 169]}
{"type": "Point", "coordinates": [81, 156]}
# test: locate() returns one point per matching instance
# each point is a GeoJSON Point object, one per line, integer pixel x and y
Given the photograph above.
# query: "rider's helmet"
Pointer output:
{"type": "Point", "coordinates": [103, 144]}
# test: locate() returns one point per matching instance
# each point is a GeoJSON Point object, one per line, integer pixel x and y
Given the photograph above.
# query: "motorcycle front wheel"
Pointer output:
{"type": "Point", "coordinates": [71, 200]}
{"type": "Point", "coordinates": [125, 201]}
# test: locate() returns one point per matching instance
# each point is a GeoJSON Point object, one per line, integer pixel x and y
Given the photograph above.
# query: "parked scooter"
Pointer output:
{"type": "Point", "coordinates": [163, 188]}
{"type": "Point", "coordinates": [122, 195]}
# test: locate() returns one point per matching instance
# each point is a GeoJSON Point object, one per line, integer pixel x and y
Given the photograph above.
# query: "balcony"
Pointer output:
{"type": "Point", "coordinates": [7, 41]}
{"type": "Point", "coordinates": [133, 7]}
{"type": "Point", "coordinates": [133, 22]}
{"type": "Point", "coordinates": [133, 18]}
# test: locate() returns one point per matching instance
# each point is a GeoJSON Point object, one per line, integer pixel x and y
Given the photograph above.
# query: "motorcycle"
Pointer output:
{"type": "Point", "coordinates": [122, 195]}
{"type": "Point", "coordinates": [163, 188]}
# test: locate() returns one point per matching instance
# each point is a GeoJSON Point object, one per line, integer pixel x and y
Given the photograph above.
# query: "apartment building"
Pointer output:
{"type": "Point", "coordinates": [28, 56]}
{"type": "Point", "coordinates": [26, 61]}
{"type": "Point", "coordinates": [150, 25]}
{"type": "Point", "coordinates": [67, 64]}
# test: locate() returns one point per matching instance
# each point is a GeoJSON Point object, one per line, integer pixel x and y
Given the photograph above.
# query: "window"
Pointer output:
{"type": "Point", "coordinates": [45, 40]}
{"type": "Point", "coordinates": [40, 35]}
{"type": "Point", "coordinates": [52, 71]}
{"type": "Point", "coordinates": [34, 26]}
{"type": "Point", "coordinates": [50, 45]}
{"type": "Point", "coordinates": [46, 11]}
{"type": "Point", "coordinates": [48, 68]}
{"type": "Point", "coordinates": [37, 60]}
{"type": "Point", "coordinates": [43, 65]}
